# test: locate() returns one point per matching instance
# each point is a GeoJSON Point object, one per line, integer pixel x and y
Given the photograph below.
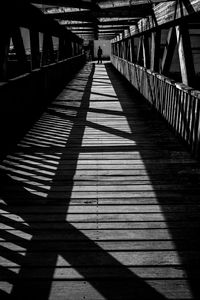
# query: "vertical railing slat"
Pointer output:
{"type": "Point", "coordinates": [178, 104]}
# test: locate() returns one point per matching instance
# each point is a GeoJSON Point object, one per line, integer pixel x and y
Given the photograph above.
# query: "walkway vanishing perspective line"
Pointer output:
{"type": "Point", "coordinates": [99, 201]}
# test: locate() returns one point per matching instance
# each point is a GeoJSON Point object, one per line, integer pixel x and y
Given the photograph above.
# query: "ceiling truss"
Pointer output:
{"type": "Point", "coordinates": [97, 19]}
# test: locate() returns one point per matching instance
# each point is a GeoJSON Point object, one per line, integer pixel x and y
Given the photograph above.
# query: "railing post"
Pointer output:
{"type": "Point", "coordinates": [139, 51]}
{"type": "Point", "coordinates": [168, 51]}
{"type": "Point", "coordinates": [19, 48]}
{"type": "Point", "coordinates": [155, 50]}
{"type": "Point", "coordinates": [145, 48]}
{"type": "Point", "coordinates": [185, 54]}
{"type": "Point", "coordinates": [4, 48]}
{"type": "Point", "coordinates": [61, 48]}
{"type": "Point", "coordinates": [47, 49]}
{"type": "Point", "coordinates": [132, 49]}
{"type": "Point", "coordinates": [35, 49]}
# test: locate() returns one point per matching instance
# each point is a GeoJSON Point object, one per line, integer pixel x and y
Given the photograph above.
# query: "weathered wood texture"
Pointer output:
{"type": "Point", "coordinates": [177, 103]}
{"type": "Point", "coordinates": [163, 14]}
{"type": "Point", "coordinates": [99, 201]}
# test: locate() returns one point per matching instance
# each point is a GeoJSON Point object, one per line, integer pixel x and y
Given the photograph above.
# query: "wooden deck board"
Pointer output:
{"type": "Point", "coordinates": [99, 201]}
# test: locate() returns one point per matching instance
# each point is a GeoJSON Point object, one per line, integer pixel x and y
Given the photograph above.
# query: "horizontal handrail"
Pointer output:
{"type": "Point", "coordinates": [176, 102]}
{"type": "Point", "coordinates": [47, 67]}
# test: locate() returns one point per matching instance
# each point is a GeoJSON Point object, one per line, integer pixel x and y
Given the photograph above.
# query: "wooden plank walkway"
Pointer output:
{"type": "Point", "coordinates": [99, 201]}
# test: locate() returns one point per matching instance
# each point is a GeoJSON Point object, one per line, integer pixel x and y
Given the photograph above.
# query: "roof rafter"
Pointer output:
{"type": "Point", "coordinates": [140, 11]}
{"type": "Point", "coordinates": [68, 3]}
{"type": "Point", "coordinates": [98, 16]}
{"type": "Point", "coordinates": [127, 3]}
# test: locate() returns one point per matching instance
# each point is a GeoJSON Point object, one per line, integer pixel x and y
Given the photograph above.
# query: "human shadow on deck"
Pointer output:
{"type": "Point", "coordinates": [180, 205]}
{"type": "Point", "coordinates": [38, 266]}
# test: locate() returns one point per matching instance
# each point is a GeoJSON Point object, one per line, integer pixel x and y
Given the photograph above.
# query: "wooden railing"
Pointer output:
{"type": "Point", "coordinates": [177, 103]}
{"type": "Point", "coordinates": [23, 98]}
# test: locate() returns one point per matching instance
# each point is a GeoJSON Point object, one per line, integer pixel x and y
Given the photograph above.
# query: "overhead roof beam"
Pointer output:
{"type": "Point", "coordinates": [112, 26]}
{"type": "Point", "coordinates": [118, 23]}
{"type": "Point", "coordinates": [68, 3]}
{"type": "Point", "coordinates": [130, 12]}
{"type": "Point", "coordinates": [70, 27]}
{"type": "Point", "coordinates": [82, 30]}
{"type": "Point", "coordinates": [129, 3]}
{"type": "Point", "coordinates": [111, 23]}
{"type": "Point", "coordinates": [24, 14]}
{"type": "Point", "coordinates": [81, 24]}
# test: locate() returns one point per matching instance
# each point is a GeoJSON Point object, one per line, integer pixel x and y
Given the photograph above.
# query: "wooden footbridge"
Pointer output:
{"type": "Point", "coordinates": [99, 170]}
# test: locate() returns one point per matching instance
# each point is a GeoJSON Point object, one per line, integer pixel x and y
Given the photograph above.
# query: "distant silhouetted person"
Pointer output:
{"type": "Point", "coordinates": [99, 54]}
